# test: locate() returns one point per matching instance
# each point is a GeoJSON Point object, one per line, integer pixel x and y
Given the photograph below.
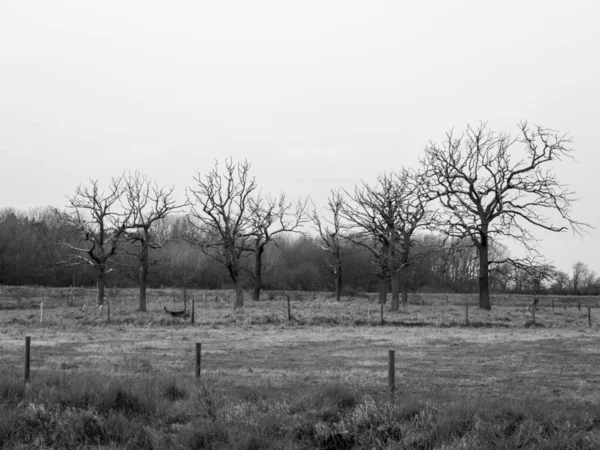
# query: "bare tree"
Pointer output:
{"type": "Point", "coordinates": [331, 234]}
{"type": "Point", "coordinates": [269, 218]}
{"type": "Point", "coordinates": [183, 263]}
{"type": "Point", "coordinates": [591, 283]}
{"type": "Point", "coordinates": [580, 273]}
{"type": "Point", "coordinates": [147, 204]}
{"type": "Point", "coordinates": [94, 216]}
{"type": "Point", "coordinates": [490, 194]}
{"type": "Point", "coordinates": [223, 224]}
{"type": "Point", "coordinates": [383, 219]}
{"type": "Point", "coordinates": [413, 214]}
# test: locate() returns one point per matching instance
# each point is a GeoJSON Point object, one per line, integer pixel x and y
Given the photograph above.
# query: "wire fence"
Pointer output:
{"type": "Point", "coordinates": [544, 368]}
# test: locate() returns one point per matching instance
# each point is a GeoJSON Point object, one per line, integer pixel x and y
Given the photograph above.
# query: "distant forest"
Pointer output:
{"type": "Point", "coordinates": [31, 254]}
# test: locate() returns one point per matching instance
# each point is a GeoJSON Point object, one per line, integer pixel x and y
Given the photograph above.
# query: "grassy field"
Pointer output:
{"type": "Point", "coordinates": [320, 379]}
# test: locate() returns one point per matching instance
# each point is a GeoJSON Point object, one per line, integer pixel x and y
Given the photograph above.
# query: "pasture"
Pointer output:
{"type": "Point", "coordinates": [259, 366]}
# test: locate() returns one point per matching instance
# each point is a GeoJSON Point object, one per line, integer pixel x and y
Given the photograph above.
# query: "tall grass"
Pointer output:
{"type": "Point", "coordinates": [180, 413]}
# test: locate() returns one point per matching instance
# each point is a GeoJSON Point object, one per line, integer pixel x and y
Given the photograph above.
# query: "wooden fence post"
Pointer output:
{"type": "Point", "coordinates": [392, 374]}
{"type": "Point", "coordinates": [552, 305]}
{"type": "Point", "coordinates": [589, 316]}
{"type": "Point", "coordinates": [467, 314]}
{"type": "Point", "coordinates": [289, 309]}
{"type": "Point", "coordinates": [198, 359]}
{"type": "Point", "coordinates": [382, 322]}
{"type": "Point", "coordinates": [579, 306]}
{"type": "Point", "coordinates": [27, 357]}
{"type": "Point", "coordinates": [41, 312]}
{"type": "Point", "coordinates": [193, 309]}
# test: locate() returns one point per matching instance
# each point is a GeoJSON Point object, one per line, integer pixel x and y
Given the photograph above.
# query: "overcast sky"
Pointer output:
{"type": "Point", "coordinates": [316, 94]}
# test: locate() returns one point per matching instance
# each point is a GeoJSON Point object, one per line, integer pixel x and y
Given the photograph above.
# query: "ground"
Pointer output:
{"type": "Point", "coordinates": [499, 354]}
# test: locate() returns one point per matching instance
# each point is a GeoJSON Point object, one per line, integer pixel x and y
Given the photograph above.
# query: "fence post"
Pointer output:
{"type": "Point", "coordinates": [392, 373]}
{"type": "Point", "coordinates": [589, 316]}
{"type": "Point", "coordinates": [552, 305]}
{"type": "Point", "coordinates": [446, 299]}
{"type": "Point", "coordinates": [579, 306]}
{"type": "Point", "coordinates": [41, 312]}
{"type": "Point", "coordinates": [467, 314]}
{"type": "Point", "coordinates": [193, 309]}
{"type": "Point", "coordinates": [289, 309]}
{"type": "Point", "coordinates": [198, 359]}
{"type": "Point", "coordinates": [382, 322]}
{"type": "Point", "coordinates": [27, 357]}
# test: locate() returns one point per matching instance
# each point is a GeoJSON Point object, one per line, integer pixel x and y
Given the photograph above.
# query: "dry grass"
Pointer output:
{"type": "Point", "coordinates": [495, 355]}
{"type": "Point", "coordinates": [256, 363]}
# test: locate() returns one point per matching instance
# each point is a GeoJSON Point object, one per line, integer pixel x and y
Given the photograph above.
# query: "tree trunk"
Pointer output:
{"type": "Point", "coordinates": [402, 273]}
{"type": "Point", "coordinates": [484, 274]}
{"type": "Point", "coordinates": [395, 291]}
{"type": "Point", "coordinates": [101, 283]}
{"type": "Point", "coordinates": [338, 280]}
{"type": "Point", "coordinates": [403, 286]}
{"type": "Point", "coordinates": [383, 285]}
{"type": "Point", "coordinates": [404, 294]}
{"type": "Point", "coordinates": [258, 251]}
{"type": "Point", "coordinates": [239, 294]}
{"type": "Point", "coordinates": [143, 285]}
{"type": "Point", "coordinates": [143, 278]}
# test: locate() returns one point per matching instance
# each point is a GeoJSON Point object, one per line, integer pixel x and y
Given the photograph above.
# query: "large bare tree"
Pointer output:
{"type": "Point", "coordinates": [147, 204]}
{"type": "Point", "coordinates": [331, 236]}
{"type": "Point", "coordinates": [99, 223]}
{"type": "Point", "coordinates": [492, 192]}
{"type": "Point", "coordinates": [269, 218]}
{"type": "Point", "coordinates": [220, 216]}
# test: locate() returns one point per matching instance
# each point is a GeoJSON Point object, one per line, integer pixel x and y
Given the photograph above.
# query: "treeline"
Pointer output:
{"type": "Point", "coordinates": [438, 227]}
{"type": "Point", "coordinates": [31, 254]}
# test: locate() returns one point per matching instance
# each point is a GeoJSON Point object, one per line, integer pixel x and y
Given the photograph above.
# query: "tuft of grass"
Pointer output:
{"type": "Point", "coordinates": [206, 434]}
{"type": "Point", "coordinates": [534, 324]}
{"type": "Point", "coordinates": [172, 389]}
{"type": "Point", "coordinates": [121, 397]}
{"type": "Point", "coordinates": [328, 402]}
{"type": "Point", "coordinates": [12, 391]}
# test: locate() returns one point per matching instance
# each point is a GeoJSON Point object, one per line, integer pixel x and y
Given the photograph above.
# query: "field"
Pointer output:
{"type": "Point", "coordinates": [320, 376]}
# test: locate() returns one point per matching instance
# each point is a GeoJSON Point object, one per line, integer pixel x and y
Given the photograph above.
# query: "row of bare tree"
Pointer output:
{"type": "Point", "coordinates": [470, 193]}
{"type": "Point", "coordinates": [29, 256]}
{"type": "Point", "coordinates": [476, 187]}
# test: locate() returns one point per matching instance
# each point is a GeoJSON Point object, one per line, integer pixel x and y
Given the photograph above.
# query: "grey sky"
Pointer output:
{"type": "Point", "coordinates": [316, 94]}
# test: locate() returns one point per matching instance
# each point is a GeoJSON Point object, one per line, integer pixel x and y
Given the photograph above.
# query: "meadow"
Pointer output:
{"type": "Point", "coordinates": [315, 377]}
